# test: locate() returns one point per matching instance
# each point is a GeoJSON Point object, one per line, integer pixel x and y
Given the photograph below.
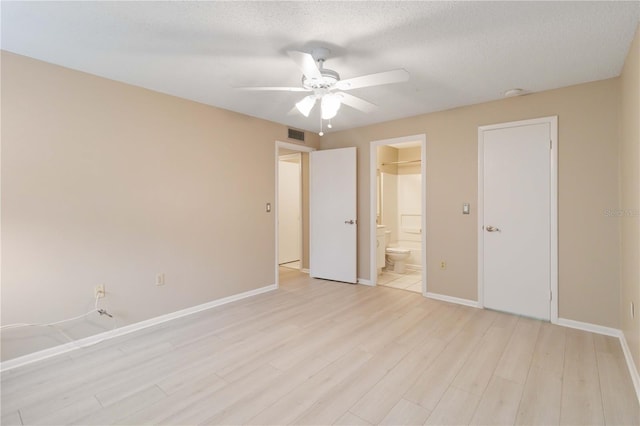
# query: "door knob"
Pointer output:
{"type": "Point", "coordinates": [349, 222]}
{"type": "Point", "coordinates": [492, 229]}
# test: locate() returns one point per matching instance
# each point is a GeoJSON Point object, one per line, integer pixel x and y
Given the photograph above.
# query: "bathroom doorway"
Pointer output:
{"type": "Point", "coordinates": [291, 208]}
{"type": "Point", "coordinates": [398, 207]}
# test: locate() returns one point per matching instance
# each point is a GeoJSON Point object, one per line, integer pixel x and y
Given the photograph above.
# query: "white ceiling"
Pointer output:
{"type": "Point", "coordinates": [457, 53]}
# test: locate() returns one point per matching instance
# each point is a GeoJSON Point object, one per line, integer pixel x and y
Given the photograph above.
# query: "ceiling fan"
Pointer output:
{"type": "Point", "coordinates": [327, 86]}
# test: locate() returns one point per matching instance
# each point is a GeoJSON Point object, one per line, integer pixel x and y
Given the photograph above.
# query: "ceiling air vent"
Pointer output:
{"type": "Point", "coordinates": [296, 134]}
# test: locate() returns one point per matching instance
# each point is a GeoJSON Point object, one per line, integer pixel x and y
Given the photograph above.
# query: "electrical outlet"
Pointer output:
{"type": "Point", "coordinates": [160, 279]}
{"type": "Point", "coordinates": [443, 265]}
{"type": "Point", "coordinates": [633, 310]}
{"type": "Point", "coordinates": [99, 291]}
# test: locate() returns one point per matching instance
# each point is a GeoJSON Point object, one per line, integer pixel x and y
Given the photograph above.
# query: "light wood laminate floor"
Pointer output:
{"type": "Point", "coordinates": [318, 352]}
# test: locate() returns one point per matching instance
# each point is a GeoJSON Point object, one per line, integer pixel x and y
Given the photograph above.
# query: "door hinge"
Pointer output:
{"type": "Point", "coordinates": [550, 144]}
{"type": "Point", "coordinates": [550, 295]}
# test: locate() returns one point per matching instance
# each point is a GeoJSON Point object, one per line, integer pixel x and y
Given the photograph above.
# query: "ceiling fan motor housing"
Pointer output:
{"type": "Point", "coordinates": [329, 79]}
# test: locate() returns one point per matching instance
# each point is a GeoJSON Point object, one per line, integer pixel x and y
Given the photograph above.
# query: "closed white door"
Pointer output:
{"type": "Point", "coordinates": [332, 215]}
{"type": "Point", "coordinates": [289, 209]}
{"type": "Point", "coordinates": [517, 207]}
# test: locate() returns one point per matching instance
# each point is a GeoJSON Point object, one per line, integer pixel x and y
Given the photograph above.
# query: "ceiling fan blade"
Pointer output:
{"type": "Point", "coordinates": [387, 77]}
{"type": "Point", "coordinates": [357, 103]}
{"type": "Point", "coordinates": [279, 89]}
{"type": "Point", "coordinates": [306, 63]}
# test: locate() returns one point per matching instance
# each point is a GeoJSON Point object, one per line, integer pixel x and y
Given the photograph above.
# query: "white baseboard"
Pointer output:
{"type": "Point", "coordinates": [635, 377]}
{"type": "Point", "coordinates": [305, 270]}
{"type": "Point", "coordinates": [593, 328]}
{"type": "Point", "coordinates": [613, 332]}
{"type": "Point", "coordinates": [365, 282]}
{"type": "Point", "coordinates": [451, 299]}
{"type": "Point", "coordinates": [97, 338]}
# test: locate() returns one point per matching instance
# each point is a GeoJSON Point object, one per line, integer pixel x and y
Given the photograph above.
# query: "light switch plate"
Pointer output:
{"type": "Point", "coordinates": [465, 208]}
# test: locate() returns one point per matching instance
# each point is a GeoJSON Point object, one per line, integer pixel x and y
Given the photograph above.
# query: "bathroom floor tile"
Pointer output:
{"type": "Point", "coordinates": [411, 280]}
{"type": "Point", "coordinates": [417, 287]}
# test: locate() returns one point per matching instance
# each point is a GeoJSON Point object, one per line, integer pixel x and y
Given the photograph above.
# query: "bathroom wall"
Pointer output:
{"type": "Point", "coordinates": [410, 205]}
{"type": "Point", "coordinates": [390, 204]}
{"type": "Point", "coordinates": [387, 154]}
{"type": "Point", "coordinates": [409, 154]}
{"type": "Point", "coordinates": [401, 198]}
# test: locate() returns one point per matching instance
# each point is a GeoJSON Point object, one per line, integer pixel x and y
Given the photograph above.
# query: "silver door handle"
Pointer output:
{"type": "Point", "coordinates": [492, 229]}
{"type": "Point", "coordinates": [350, 222]}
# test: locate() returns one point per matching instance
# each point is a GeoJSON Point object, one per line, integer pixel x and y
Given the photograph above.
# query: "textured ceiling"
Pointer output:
{"type": "Point", "coordinates": [457, 53]}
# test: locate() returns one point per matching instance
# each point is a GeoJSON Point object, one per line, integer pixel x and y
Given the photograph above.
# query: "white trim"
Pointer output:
{"type": "Point", "coordinates": [297, 157]}
{"type": "Point", "coordinates": [365, 282]}
{"type": "Point", "coordinates": [553, 207]}
{"type": "Point", "coordinates": [305, 271]}
{"type": "Point", "coordinates": [593, 328]}
{"type": "Point", "coordinates": [451, 299]}
{"type": "Point", "coordinates": [373, 166]}
{"type": "Point", "coordinates": [97, 338]}
{"type": "Point", "coordinates": [274, 210]}
{"type": "Point", "coordinates": [553, 225]}
{"type": "Point", "coordinates": [633, 371]}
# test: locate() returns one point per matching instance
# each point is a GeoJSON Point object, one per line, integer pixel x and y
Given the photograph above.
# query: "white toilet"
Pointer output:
{"type": "Point", "coordinates": [396, 255]}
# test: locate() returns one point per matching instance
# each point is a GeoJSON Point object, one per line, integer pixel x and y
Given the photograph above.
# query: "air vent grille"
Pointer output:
{"type": "Point", "coordinates": [296, 134]}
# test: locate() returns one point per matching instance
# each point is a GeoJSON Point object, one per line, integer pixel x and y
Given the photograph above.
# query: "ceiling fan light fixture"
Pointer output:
{"type": "Point", "coordinates": [330, 105]}
{"type": "Point", "coordinates": [305, 105]}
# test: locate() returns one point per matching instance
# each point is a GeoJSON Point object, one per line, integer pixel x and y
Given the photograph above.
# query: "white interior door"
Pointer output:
{"type": "Point", "coordinates": [516, 233]}
{"type": "Point", "coordinates": [289, 208]}
{"type": "Point", "coordinates": [332, 215]}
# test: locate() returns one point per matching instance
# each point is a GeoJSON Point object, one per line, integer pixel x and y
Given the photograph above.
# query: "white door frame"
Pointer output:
{"type": "Point", "coordinates": [292, 147]}
{"type": "Point", "coordinates": [297, 160]}
{"type": "Point", "coordinates": [553, 206]}
{"type": "Point", "coordinates": [373, 197]}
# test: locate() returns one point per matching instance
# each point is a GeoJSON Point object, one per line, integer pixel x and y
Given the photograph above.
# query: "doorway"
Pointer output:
{"type": "Point", "coordinates": [398, 213]}
{"type": "Point", "coordinates": [517, 218]}
{"type": "Point", "coordinates": [291, 210]}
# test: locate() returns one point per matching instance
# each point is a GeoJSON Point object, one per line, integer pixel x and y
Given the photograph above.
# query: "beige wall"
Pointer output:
{"type": "Point", "coordinates": [106, 183]}
{"type": "Point", "coordinates": [588, 185]}
{"type": "Point", "coordinates": [630, 198]}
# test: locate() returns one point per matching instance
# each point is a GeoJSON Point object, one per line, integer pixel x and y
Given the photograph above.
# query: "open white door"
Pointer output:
{"type": "Point", "coordinates": [332, 215]}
